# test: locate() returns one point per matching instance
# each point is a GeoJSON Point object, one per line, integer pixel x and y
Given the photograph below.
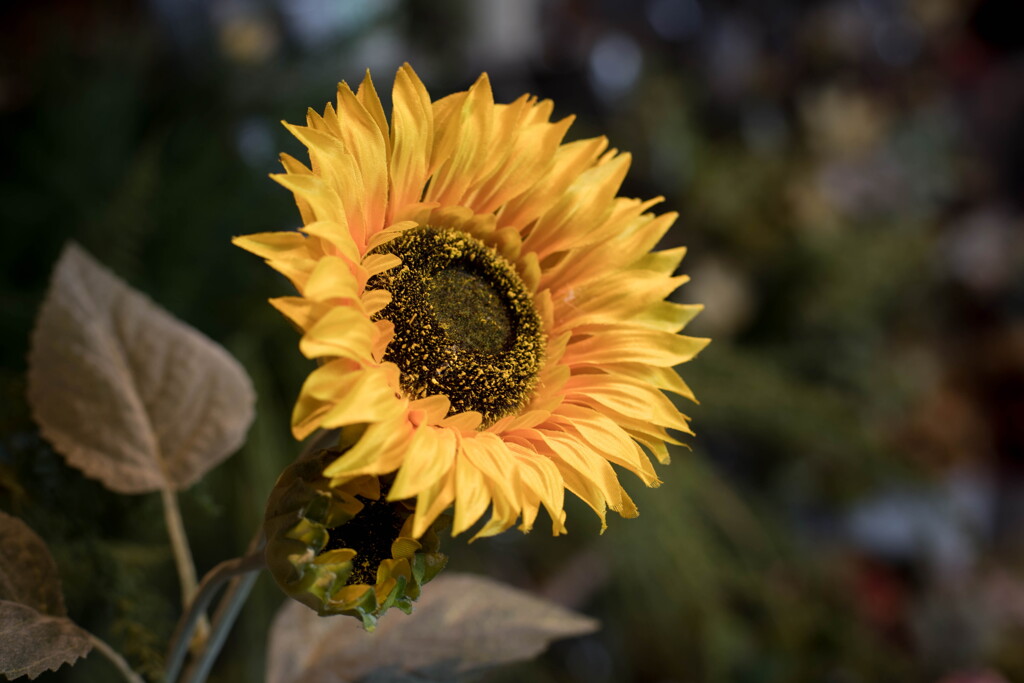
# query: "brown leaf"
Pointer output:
{"type": "Point", "coordinates": [35, 636]}
{"type": "Point", "coordinates": [28, 573]}
{"type": "Point", "coordinates": [462, 624]}
{"type": "Point", "coordinates": [126, 392]}
{"type": "Point", "coordinates": [31, 643]}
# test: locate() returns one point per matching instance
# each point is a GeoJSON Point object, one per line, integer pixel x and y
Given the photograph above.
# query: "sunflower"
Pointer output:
{"type": "Point", "coordinates": [481, 305]}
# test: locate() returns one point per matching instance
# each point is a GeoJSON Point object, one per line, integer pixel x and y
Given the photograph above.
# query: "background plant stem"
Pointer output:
{"type": "Point", "coordinates": [116, 659]}
{"type": "Point", "coordinates": [210, 584]}
{"type": "Point", "coordinates": [227, 611]}
{"type": "Point", "coordinates": [182, 558]}
{"type": "Point", "coordinates": [223, 620]}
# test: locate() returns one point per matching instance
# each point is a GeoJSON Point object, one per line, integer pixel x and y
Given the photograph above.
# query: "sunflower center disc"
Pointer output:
{"type": "Point", "coordinates": [465, 325]}
{"type": "Point", "coordinates": [468, 308]}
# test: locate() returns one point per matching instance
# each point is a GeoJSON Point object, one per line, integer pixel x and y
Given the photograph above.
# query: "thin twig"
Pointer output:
{"type": "Point", "coordinates": [208, 587]}
{"type": "Point", "coordinates": [116, 659]}
{"type": "Point", "coordinates": [225, 615]}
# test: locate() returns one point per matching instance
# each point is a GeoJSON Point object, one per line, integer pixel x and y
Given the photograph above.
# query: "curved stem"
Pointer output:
{"type": "Point", "coordinates": [115, 658]}
{"type": "Point", "coordinates": [190, 620]}
{"type": "Point", "coordinates": [243, 571]}
{"type": "Point", "coordinates": [223, 620]}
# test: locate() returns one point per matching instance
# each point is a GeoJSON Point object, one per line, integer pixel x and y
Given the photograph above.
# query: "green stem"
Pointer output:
{"type": "Point", "coordinates": [190, 620]}
{"type": "Point", "coordinates": [243, 571]}
{"type": "Point", "coordinates": [116, 659]}
{"type": "Point", "coordinates": [223, 620]}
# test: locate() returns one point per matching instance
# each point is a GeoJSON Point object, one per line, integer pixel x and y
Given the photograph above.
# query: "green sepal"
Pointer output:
{"type": "Point", "coordinates": [302, 511]}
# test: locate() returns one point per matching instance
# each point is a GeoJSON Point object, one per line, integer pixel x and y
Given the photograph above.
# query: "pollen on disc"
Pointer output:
{"type": "Point", "coordinates": [465, 325]}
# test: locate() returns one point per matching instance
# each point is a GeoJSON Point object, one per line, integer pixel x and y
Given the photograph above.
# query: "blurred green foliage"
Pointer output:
{"type": "Point", "coordinates": [839, 322]}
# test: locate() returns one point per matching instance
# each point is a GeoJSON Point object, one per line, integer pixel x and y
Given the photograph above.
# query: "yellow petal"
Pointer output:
{"type": "Point", "coordinates": [390, 233]}
{"type": "Point", "coordinates": [273, 245]}
{"type": "Point", "coordinates": [525, 420]}
{"type": "Point", "coordinates": [613, 298]}
{"type": "Point", "coordinates": [633, 345]}
{"type": "Point", "coordinates": [472, 495]}
{"type": "Point", "coordinates": [295, 167]}
{"type": "Point", "coordinates": [528, 156]}
{"type": "Point", "coordinates": [379, 451]}
{"type": "Point", "coordinates": [412, 140]}
{"type": "Point", "coordinates": [429, 410]}
{"type": "Point", "coordinates": [364, 139]}
{"type": "Point", "coordinates": [341, 173]}
{"type": "Point", "coordinates": [445, 113]}
{"type": "Point", "coordinates": [467, 421]}
{"type": "Point", "coordinates": [614, 250]}
{"type": "Point", "coordinates": [429, 458]}
{"type": "Point", "coordinates": [367, 96]}
{"type": "Point", "coordinates": [374, 301]}
{"type": "Point", "coordinates": [666, 379]}
{"type": "Point", "coordinates": [432, 502]}
{"type": "Point", "coordinates": [344, 332]}
{"type": "Point", "coordinates": [355, 397]}
{"type": "Point", "coordinates": [336, 235]}
{"type": "Point", "coordinates": [580, 215]}
{"type": "Point", "coordinates": [490, 455]}
{"type": "Point", "coordinates": [625, 396]}
{"type": "Point", "coordinates": [471, 127]}
{"type": "Point", "coordinates": [607, 439]}
{"type": "Point", "coordinates": [374, 264]}
{"type": "Point", "coordinates": [503, 516]}
{"type": "Point", "coordinates": [300, 311]}
{"type": "Point", "coordinates": [324, 203]}
{"type": "Point", "coordinates": [661, 262]}
{"type": "Point", "coordinates": [333, 278]}
{"type": "Point", "coordinates": [666, 316]}
{"type": "Point", "coordinates": [541, 481]}
{"type": "Point", "coordinates": [569, 161]}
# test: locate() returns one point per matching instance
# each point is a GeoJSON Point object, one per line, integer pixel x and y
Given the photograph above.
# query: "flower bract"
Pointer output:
{"type": "Point", "coordinates": [482, 303]}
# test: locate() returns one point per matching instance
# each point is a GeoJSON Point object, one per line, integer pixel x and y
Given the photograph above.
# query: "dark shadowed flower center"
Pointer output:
{"type": "Point", "coordinates": [370, 533]}
{"type": "Point", "coordinates": [465, 325]}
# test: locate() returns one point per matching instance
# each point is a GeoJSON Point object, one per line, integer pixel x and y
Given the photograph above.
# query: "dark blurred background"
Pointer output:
{"type": "Point", "coordinates": [849, 176]}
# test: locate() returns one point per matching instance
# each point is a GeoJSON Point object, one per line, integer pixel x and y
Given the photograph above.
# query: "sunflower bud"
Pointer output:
{"type": "Point", "coordinates": [346, 549]}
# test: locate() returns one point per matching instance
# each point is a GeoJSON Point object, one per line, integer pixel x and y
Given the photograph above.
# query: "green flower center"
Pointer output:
{"type": "Point", "coordinates": [465, 324]}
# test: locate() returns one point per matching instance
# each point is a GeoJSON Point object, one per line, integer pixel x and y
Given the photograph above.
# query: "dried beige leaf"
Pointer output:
{"type": "Point", "coordinates": [126, 392]}
{"type": "Point", "coordinates": [28, 573]}
{"type": "Point", "coordinates": [462, 624]}
{"type": "Point", "coordinates": [31, 643]}
{"type": "Point", "coordinates": [35, 634]}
